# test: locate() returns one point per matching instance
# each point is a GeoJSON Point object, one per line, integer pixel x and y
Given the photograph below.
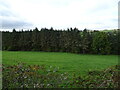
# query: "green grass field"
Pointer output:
{"type": "Point", "coordinates": [67, 62]}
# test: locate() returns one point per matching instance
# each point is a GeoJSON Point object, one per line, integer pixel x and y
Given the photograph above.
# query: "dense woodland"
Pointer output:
{"type": "Point", "coordinates": [70, 40]}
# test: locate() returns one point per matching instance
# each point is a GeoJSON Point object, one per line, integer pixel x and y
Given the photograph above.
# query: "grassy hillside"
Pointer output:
{"type": "Point", "coordinates": [67, 62]}
{"type": "Point", "coordinates": [109, 30]}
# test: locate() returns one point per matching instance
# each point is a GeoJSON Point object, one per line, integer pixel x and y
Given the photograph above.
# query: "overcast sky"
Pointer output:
{"type": "Point", "coordinates": [59, 14]}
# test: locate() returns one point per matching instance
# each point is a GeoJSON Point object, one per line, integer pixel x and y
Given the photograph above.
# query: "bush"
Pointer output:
{"type": "Point", "coordinates": [32, 76]}
{"type": "Point", "coordinates": [36, 76]}
{"type": "Point", "coordinates": [108, 78]}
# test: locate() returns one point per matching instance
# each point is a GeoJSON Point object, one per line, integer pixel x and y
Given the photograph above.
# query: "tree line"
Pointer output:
{"type": "Point", "coordinates": [71, 40]}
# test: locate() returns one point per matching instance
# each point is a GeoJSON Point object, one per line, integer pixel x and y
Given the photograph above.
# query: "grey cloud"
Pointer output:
{"type": "Point", "coordinates": [116, 20]}
{"type": "Point", "coordinates": [10, 24]}
{"type": "Point", "coordinates": [7, 21]}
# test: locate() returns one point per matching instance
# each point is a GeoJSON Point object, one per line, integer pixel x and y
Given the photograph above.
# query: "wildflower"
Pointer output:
{"type": "Point", "coordinates": [25, 77]}
{"type": "Point", "coordinates": [65, 78]}
{"type": "Point", "coordinates": [61, 74]}
{"type": "Point", "coordinates": [54, 71]}
{"type": "Point", "coordinates": [48, 70]}
{"type": "Point", "coordinates": [50, 66]}
{"type": "Point", "coordinates": [48, 84]}
{"type": "Point", "coordinates": [35, 68]}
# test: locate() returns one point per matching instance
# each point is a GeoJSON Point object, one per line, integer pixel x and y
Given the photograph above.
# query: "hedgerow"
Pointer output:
{"type": "Point", "coordinates": [40, 76]}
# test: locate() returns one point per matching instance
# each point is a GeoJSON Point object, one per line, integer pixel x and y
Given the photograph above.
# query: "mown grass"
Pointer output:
{"type": "Point", "coordinates": [66, 62]}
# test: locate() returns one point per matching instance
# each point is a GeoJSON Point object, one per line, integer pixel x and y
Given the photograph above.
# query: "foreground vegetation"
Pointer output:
{"type": "Point", "coordinates": [67, 62]}
{"type": "Point", "coordinates": [36, 76]}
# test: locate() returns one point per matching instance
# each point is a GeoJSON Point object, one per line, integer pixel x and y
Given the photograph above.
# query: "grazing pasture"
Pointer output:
{"type": "Point", "coordinates": [66, 62]}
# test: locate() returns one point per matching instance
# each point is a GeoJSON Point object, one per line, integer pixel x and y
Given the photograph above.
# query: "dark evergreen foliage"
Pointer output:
{"type": "Point", "coordinates": [70, 40]}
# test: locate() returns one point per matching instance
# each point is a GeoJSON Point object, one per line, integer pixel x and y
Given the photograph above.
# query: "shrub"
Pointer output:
{"type": "Point", "coordinates": [36, 76]}
{"type": "Point", "coordinates": [108, 78]}
{"type": "Point", "coordinates": [32, 76]}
